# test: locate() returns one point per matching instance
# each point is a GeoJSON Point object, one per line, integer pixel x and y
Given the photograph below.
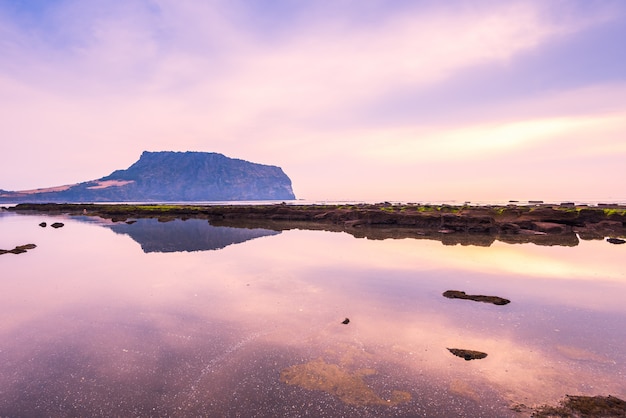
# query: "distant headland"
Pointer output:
{"type": "Point", "coordinates": [171, 177]}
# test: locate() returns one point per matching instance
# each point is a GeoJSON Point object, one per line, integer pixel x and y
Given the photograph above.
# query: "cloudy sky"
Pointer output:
{"type": "Point", "coordinates": [379, 100]}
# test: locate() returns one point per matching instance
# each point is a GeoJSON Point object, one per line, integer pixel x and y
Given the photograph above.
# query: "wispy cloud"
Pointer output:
{"type": "Point", "coordinates": [87, 85]}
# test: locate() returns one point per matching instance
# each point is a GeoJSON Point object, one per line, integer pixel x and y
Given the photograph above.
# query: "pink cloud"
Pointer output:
{"type": "Point", "coordinates": [187, 76]}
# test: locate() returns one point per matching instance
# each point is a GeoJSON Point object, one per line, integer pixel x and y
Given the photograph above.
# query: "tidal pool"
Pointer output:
{"type": "Point", "coordinates": [187, 319]}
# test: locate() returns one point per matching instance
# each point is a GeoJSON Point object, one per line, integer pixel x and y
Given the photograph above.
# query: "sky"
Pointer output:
{"type": "Point", "coordinates": [400, 100]}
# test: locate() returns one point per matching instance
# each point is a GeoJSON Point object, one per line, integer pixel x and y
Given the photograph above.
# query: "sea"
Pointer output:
{"type": "Point", "coordinates": [183, 318]}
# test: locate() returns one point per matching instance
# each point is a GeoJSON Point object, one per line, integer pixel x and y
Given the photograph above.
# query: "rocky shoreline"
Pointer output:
{"type": "Point", "coordinates": [540, 224]}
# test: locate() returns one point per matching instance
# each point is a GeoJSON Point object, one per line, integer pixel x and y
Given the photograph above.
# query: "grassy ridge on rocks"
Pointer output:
{"type": "Point", "coordinates": [478, 225]}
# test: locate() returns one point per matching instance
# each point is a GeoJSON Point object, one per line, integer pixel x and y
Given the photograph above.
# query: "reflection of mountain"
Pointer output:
{"type": "Point", "coordinates": [189, 235]}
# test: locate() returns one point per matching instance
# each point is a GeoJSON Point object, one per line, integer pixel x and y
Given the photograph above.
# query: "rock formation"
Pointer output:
{"type": "Point", "coordinates": [172, 177]}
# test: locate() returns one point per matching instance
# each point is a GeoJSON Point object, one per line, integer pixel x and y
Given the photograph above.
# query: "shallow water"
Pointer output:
{"type": "Point", "coordinates": [186, 319]}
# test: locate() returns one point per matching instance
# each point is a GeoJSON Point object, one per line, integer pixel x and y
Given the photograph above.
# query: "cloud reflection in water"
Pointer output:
{"type": "Point", "coordinates": [89, 316]}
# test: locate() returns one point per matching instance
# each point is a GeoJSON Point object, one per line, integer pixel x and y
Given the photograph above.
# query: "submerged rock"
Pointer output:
{"type": "Point", "coordinates": [457, 294]}
{"type": "Point", "coordinates": [584, 406]}
{"type": "Point", "coordinates": [464, 389]}
{"type": "Point", "coordinates": [616, 240]}
{"type": "Point", "coordinates": [467, 355]}
{"type": "Point", "coordinates": [334, 380]}
{"type": "Point", "coordinates": [43, 224]}
{"type": "Point", "coordinates": [57, 225]}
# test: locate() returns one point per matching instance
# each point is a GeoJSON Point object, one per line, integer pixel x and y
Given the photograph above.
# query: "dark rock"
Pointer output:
{"type": "Point", "coordinates": [43, 224]}
{"type": "Point", "coordinates": [616, 240]}
{"type": "Point", "coordinates": [20, 249]}
{"type": "Point", "coordinates": [540, 238]}
{"type": "Point", "coordinates": [27, 246]}
{"type": "Point", "coordinates": [473, 224]}
{"type": "Point", "coordinates": [551, 215]}
{"type": "Point", "coordinates": [480, 240]}
{"type": "Point", "coordinates": [509, 228]}
{"type": "Point", "coordinates": [591, 215]}
{"type": "Point", "coordinates": [57, 225]}
{"type": "Point", "coordinates": [599, 230]}
{"type": "Point", "coordinates": [457, 294]}
{"type": "Point", "coordinates": [467, 355]}
{"type": "Point", "coordinates": [584, 406]}
{"type": "Point", "coordinates": [346, 321]}
{"type": "Point", "coordinates": [549, 227]}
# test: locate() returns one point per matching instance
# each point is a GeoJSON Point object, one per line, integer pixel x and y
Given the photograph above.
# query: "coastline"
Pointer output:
{"type": "Point", "coordinates": [541, 224]}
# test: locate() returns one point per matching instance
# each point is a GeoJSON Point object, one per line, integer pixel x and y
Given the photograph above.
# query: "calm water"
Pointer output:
{"type": "Point", "coordinates": [186, 319]}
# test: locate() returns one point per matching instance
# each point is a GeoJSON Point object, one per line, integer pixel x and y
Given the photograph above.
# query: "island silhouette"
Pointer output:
{"type": "Point", "coordinates": [168, 176]}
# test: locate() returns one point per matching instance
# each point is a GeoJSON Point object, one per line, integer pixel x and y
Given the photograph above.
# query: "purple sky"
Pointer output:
{"type": "Point", "coordinates": [378, 100]}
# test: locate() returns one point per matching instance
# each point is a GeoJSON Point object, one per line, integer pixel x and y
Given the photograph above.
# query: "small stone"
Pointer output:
{"type": "Point", "coordinates": [43, 224]}
{"type": "Point", "coordinates": [57, 225]}
{"type": "Point", "coordinates": [346, 321]}
{"type": "Point", "coordinates": [615, 240]}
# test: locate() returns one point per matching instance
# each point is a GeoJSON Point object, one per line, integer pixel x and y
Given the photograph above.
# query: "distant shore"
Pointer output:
{"type": "Point", "coordinates": [542, 224]}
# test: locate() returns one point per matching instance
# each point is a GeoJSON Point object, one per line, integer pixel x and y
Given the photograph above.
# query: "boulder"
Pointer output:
{"type": "Point", "coordinates": [467, 355]}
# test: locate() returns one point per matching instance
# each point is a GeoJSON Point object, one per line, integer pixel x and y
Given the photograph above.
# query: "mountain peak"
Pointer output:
{"type": "Point", "coordinates": [175, 176]}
